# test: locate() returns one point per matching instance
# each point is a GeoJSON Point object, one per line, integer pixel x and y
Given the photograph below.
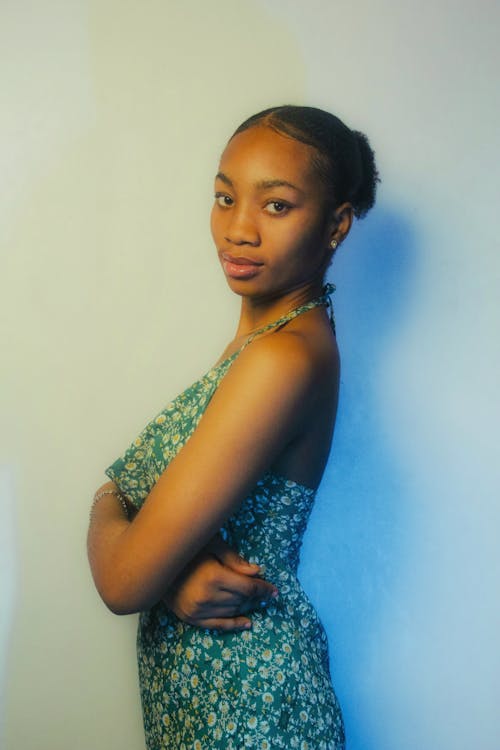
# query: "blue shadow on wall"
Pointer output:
{"type": "Point", "coordinates": [361, 523]}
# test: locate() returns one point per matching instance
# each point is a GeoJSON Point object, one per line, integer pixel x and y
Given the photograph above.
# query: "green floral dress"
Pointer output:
{"type": "Point", "coordinates": [268, 687]}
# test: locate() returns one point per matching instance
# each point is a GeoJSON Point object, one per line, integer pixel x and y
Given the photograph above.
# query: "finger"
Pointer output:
{"type": "Point", "coordinates": [248, 587]}
{"type": "Point", "coordinates": [226, 623]}
{"type": "Point", "coordinates": [230, 557]}
{"type": "Point", "coordinates": [256, 603]}
{"type": "Point", "coordinates": [230, 608]}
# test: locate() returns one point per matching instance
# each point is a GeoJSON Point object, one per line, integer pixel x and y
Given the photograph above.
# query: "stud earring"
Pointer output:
{"type": "Point", "coordinates": [334, 244]}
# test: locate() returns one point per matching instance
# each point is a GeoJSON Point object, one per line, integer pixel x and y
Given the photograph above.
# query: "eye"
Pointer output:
{"type": "Point", "coordinates": [223, 200]}
{"type": "Point", "coordinates": [277, 207]}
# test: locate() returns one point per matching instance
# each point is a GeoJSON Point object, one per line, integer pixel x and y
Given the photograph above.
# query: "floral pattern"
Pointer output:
{"type": "Point", "coordinates": [268, 687]}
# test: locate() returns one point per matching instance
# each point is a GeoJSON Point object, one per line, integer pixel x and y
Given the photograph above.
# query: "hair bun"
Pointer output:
{"type": "Point", "coordinates": [363, 197]}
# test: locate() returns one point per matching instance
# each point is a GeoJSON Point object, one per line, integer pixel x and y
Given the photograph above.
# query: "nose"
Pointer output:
{"type": "Point", "coordinates": [242, 228]}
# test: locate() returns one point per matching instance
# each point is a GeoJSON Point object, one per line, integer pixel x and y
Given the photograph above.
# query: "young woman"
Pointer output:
{"type": "Point", "coordinates": [233, 463]}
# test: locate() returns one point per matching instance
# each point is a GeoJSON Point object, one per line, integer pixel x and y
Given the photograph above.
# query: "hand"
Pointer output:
{"type": "Point", "coordinates": [217, 588]}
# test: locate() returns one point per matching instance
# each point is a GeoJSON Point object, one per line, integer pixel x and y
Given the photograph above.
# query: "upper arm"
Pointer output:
{"type": "Point", "coordinates": [257, 409]}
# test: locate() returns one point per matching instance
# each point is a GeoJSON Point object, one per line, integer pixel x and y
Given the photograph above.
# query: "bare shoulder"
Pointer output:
{"type": "Point", "coordinates": [296, 360]}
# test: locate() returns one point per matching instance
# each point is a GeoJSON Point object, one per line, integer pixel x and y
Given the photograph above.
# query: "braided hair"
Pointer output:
{"type": "Point", "coordinates": [343, 158]}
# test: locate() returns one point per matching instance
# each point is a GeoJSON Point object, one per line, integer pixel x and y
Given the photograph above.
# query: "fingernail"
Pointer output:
{"type": "Point", "coordinates": [275, 594]}
{"type": "Point", "coordinates": [247, 626]}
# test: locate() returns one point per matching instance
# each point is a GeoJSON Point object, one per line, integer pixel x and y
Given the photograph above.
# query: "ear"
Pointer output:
{"type": "Point", "coordinates": [341, 222]}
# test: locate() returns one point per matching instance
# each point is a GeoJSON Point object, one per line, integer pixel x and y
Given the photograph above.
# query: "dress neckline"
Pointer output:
{"type": "Point", "coordinates": [282, 478]}
{"type": "Point", "coordinates": [324, 299]}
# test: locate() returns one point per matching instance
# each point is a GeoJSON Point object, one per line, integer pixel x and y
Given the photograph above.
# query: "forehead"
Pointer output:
{"type": "Point", "coordinates": [261, 153]}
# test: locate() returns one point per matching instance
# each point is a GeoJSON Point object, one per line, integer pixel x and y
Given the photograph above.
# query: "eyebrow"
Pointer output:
{"type": "Point", "coordinates": [266, 184]}
{"type": "Point", "coordinates": [262, 184]}
{"type": "Point", "coordinates": [223, 178]}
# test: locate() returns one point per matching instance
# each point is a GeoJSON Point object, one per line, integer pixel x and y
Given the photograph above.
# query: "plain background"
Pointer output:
{"type": "Point", "coordinates": [113, 117]}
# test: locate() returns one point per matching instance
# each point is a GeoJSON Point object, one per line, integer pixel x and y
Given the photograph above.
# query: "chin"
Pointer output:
{"type": "Point", "coordinates": [242, 287]}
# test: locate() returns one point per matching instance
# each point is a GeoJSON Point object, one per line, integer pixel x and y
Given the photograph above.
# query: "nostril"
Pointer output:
{"type": "Point", "coordinates": [242, 230]}
{"type": "Point", "coordinates": [242, 241]}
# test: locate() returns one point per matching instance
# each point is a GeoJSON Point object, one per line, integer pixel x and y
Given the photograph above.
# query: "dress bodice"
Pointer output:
{"type": "Point", "coordinates": [269, 525]}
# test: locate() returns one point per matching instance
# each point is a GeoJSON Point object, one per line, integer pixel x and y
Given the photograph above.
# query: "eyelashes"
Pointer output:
{"type": "Point", "coordinates": [223, 200]}
{"type": "Point", "coordinates": [272, 207]}
{"type": "Point", "coordinates": [278, 207]}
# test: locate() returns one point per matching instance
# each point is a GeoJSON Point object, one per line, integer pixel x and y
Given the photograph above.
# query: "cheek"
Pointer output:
{"type": "Point", "coordinates": [307, 247]}
{"type": "Point", "coordinates": [317, 235]}
{"type": "Point", "coordinates": [306, 237]}
{"type": "Point", "coordinates": [214, 224]}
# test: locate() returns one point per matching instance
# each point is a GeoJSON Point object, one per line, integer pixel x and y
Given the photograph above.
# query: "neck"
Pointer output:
{"type": "Point", "coordinates": [259, 311]}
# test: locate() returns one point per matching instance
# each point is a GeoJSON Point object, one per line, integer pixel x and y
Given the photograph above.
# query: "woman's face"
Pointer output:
{"type": "Point", "coordinates": [269, 220]}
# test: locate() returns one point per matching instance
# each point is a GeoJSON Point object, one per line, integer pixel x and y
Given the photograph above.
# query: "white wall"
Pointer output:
{"type": "Point", "coordinates": [113, 119]}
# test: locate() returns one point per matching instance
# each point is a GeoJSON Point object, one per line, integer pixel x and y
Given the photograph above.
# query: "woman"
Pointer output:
{"type": "Point", "coordinates": [238, 457]}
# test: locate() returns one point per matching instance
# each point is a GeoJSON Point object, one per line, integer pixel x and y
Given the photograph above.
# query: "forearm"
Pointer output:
{"type": "Point", "coordinates": [108, 525]}
{"type": "Point", "coordinates": [213, 590]}
{"type": "Point", "coordinates": [114, 569]}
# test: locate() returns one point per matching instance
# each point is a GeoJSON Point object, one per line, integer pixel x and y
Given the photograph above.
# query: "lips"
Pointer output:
{"type": "Point", "coordinates": [240, 267]}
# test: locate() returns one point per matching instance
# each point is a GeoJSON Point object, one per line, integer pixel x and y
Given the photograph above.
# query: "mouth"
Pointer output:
{"type": "Point", "coordinates": [240, 260]}
{"type": "Point", "coordinates": [240, 267]}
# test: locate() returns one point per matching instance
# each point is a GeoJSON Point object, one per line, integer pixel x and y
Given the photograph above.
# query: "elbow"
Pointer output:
{"type": "Point", "coordinates": [119, 590]}
{"type": "Point", "coordinates": [125, 594]}
{"type": "Point", "coordinates": [118, 600]}
{"type": "Point", "coordinates": [111, 587]}
{"type": "Point", "coordinates": [120, 608]}
{"type": "Point", "coordinates": [122, 588]}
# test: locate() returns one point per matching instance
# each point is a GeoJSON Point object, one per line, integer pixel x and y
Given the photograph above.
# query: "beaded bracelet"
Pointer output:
{"type": "Point", "coordinates": [111, 491]}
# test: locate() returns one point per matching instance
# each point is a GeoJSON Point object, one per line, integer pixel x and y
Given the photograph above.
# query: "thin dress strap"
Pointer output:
{"type": "Point", "coordinates": [323, 299]}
